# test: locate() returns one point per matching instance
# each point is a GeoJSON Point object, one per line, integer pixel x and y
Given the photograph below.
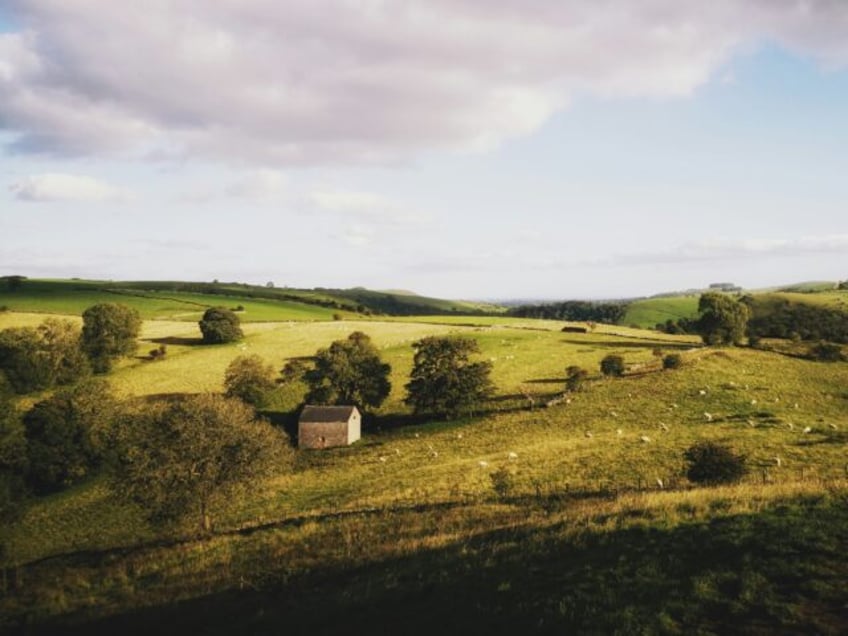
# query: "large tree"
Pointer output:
{"type": "Point", "coordinates": [185, 459]}
{"type": "Point", "coordinates": [109, 332]}
{"type": "Point", "coordinates": [220, 325]}
{"type": "Point", "coordinates": [445, 380]}
{"type": "Point", "coordinates": [349, 371]}
{"type": "Point", "coordinates": [12, 455]}
{"type": "Point", "coordinates": [723, 319]}
{"type": "Point", "coordinates": [66, 435]}
{"type": "Point", "coordinates": [38, 358]}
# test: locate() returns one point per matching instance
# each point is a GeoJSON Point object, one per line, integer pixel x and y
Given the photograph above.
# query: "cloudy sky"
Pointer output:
{"type": "Point", "coordinates": [457, 148]}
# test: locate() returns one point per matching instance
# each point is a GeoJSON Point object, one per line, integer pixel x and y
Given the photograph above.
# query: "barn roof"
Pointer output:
{"type": "Point", "coordinates": [326, 413]}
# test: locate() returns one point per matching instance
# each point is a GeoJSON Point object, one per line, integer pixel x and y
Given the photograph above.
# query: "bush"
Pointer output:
{"type": "Point", "coordinates": [713, 463]}
{"type": "Point", "coordinates": [575, 377]}
{"type": "Point", "coordinates": [673, 361]}
{"type": "Point", "coordinates": [825, 352]}
{"type": "Point", "coordinates": [612, 365]}
{"type": "Point", "coordinates": [219, 325]}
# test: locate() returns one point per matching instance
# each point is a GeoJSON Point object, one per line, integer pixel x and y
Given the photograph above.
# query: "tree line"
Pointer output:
{"type": "Point", "coordinates": [572, 310]}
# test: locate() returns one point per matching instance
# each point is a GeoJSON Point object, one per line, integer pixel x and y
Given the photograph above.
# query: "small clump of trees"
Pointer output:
{"type": "Point", "coordinates": [723, 319]}
{"type": "Point", "coordinates": [349, 371]}
{"type": "Point", "coordinates": [220, 325]}
{"type": "Point", "coordinates": [672, 361]}
{"type": "Point", "coordinates": [445, 381]}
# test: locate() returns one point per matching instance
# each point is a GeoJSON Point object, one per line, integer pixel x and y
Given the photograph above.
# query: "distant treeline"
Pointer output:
{"type": "Point", "coordinates": [779, 318]}
{"type": "Point", "coordinates": [784, 319]}
{"type": "Point", "coordinates": [577, 310]}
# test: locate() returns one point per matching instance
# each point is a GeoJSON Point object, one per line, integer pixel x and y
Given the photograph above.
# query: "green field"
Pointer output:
{"type": "Point", "coordinates": [595, 531]}
{"type": "Point", "coordinates": [650, 311]}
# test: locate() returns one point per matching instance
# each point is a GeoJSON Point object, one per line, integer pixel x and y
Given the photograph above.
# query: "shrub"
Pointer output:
{"type": "Point", "coordinates": [612, 365]}
{"type": "Point", "coordinates": [826, 352]}
{"type": "Point", "coordinates": [219, 325]}
{"type": "Point", "coordinates": [713, 463]}
{"type": "Point", "coordinates": [673, 361]}
{"type": "Point", "coordinates": [575, 377]}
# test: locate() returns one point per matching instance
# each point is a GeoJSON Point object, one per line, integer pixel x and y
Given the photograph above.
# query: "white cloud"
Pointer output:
{"type": "Point", "coordinates": [336, 81]}
{"type": "Point", "coordinates": [366, 206]}
{"type": "Point", "coordinates": [55, 187]}
{"type": "Point", "coordinates": [722, 250]}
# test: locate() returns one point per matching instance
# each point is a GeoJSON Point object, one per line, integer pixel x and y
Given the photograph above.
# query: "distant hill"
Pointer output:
{"type": "Point", "coordinates": [187, 300]}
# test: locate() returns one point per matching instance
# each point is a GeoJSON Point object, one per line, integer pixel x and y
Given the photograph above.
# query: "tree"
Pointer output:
{"type": "Point", "coordinates": [444, 379]}
{"type": "Point", "coordinates": [23, 361]}
{"type": "Point", "coordinates": [249, 378]}
{"type": "Point", "coordinates": [66, 434]}
{"type": "Point", "coordinates": [713, 463]}
{"type": "Point", "coordinates": [723, 319]}
{"type": "Point", "coordinates": [349, 371]}
{"type": "Point", "coordinates": [185, 459]}
{"type": "Point", "coordinates": [220, 325]}
{"type": "Point", "coordinates": [12, 455]}
{"type": "Point", "coordinates": [62, 345]}
{"type": "Point", "coordinates": [34, 359]}
{"type": "Point", "coordinates": [672, 361]}
{"type": "Point", "coordinates": [612, 365]}
{"type": "Point", "coordinates": [109, 332]}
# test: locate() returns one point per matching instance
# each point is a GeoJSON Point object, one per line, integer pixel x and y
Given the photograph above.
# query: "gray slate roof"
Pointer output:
{"type": "Point", "coordinates": [326, 413]}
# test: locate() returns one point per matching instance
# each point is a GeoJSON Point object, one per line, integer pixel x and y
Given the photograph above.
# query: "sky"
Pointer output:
{"type": "Point", "coordinates": [455, 148]}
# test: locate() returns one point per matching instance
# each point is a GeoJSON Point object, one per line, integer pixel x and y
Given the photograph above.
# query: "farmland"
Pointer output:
{"type": "Point", "coordinates": [594, 528]}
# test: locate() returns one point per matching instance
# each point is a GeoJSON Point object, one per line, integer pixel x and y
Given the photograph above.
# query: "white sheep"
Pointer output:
{"type": "Point", "coordinates": [588, 434]}
{"type": "Point", "coordinates": [702, 392]}
{"type": "Point", "coordinates": [664, 426]}
{"type": "Point", "coordinates": [753, 402]}
{"type": "Point", "coordinates": [660, 483]}
{"type": "Point", "coordinates": [645, 439]}
{"type": "Point", "coordinates": [777, 461]}
{"type": "Point", "coordinates": [619, 432]}
{"type": "Point", "coordinates": [483, 464]}
{"type": "Point", "coordinates": [512, 455]}
{"type": "Point", "coordinates": [708, 416]}
{"type": "Point", "coordinates": [808, 429]}
{"type": "Point", "coordinates": [833, 426]}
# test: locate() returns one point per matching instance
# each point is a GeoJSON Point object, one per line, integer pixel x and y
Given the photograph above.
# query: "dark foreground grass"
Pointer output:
{"type": "Point", "coordinates": [558, 570]}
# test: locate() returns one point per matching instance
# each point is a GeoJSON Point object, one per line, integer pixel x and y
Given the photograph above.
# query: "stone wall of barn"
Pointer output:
{"type": "Point", "coordinates": [322, 434]}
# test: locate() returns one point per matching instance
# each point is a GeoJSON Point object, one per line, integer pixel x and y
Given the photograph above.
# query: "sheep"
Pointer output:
{"type": "Point", "coordinates": [459, 436]}
{"type": "Point", "coordinates": [752, 424]}
{"type": "Point", "coordinates": [708, 416]}
{"type": "Point", "coordinates": [613, 414]}
{"type": "Point", "coordinates": [702, 392]}
{"type": "Point", "coordinates": [382, 459]}
{"type": "Point", "coordinates": [808, 429]}
{"type": "Point", "coordinates": [512, 455]}
{"type": "Point", "coordinates": [777, 461]}
{"type": "Point", "coordinates": [619, 432]}
{"type": "Point", "coordinates": [833, 426]}
{"type": "Point", "coordinates": [588, 434]}
{"type": "Point", "coordinates": [796, 405]}
{"type": "Point", "coordinates": [791, 426]}
{"type": "Point", "coordinates": [660, 483]}
{"type": "Point", "coordinates": [753, 402]}
{"type": "Point", "coordinates": [483, 464]}
{"type": "Point", "coordinates": [664, 427]}
{"type": "Point", "coordinates": [645, 439]}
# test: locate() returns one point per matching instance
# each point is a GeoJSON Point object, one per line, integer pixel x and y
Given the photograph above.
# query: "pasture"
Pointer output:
{"type": "Point", "coordinates": [592, 524]}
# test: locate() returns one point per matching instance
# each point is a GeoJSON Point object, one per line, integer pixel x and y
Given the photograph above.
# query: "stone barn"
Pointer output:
{"type": "Point", "coordinates": [328, 426]}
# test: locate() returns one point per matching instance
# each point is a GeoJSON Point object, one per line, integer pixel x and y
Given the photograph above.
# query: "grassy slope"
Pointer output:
{"type": "Point", "coordinates": [563, 548]}
{"type": "Point", "coordinates": [650, 311]}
